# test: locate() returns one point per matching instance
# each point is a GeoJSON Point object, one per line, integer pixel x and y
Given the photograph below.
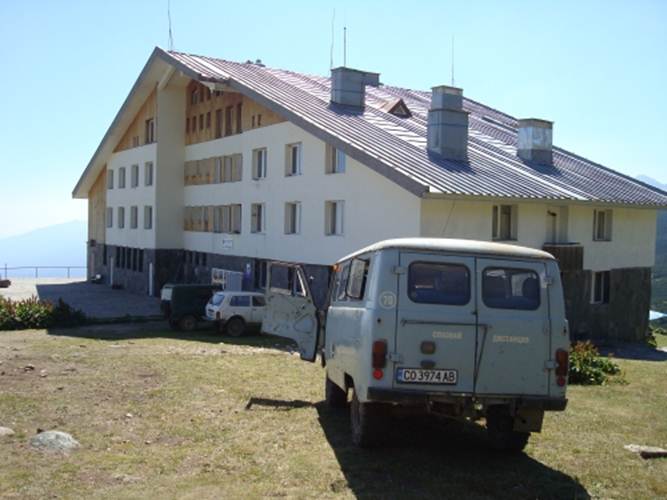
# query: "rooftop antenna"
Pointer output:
{"type": "Point", "coordinates": [345, 46]}
{"type": "Point", "coordinates": [171, 37]}
{"type": "Point", "coordinates": [453, 61]}
{"type": "Point", "coordinates": [331, 51]}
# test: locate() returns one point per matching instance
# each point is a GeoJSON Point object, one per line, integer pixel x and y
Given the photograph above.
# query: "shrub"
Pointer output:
{"type": "Point", "coordinates": [35, 313]}
{"type": "Point", "coordinates": [587, 367]}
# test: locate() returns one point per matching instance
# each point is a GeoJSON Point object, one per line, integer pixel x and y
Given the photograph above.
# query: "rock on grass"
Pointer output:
{"type": "Point", "coordinates": [6, 431]}
{"type": "Point", "coordinates": [54, 441]}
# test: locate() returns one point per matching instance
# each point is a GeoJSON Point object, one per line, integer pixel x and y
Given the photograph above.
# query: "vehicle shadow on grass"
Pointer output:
{"type": "Point", "coordinates": [428, 459]}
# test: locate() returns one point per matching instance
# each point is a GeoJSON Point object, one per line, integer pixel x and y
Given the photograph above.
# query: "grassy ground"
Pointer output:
{"type": "Point", "coordinates": [162, 417]}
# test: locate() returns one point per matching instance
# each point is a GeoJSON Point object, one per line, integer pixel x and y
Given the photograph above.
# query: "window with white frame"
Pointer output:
{"type": "Point", "coordinates": [292, 217]}
{"type": "Point", "coordinates": [135, 176]}
{"type": "Point", "coordinates": [109, 217]}
{"type": "Point", "coordinates": [121, 217]}
{"type": "Point", "coordinates": [121, 178]}
{"type": "Point", "coordinates": [231, 219]}
{"type": "Point", "coordinates": [218, 171]}
{"type": "Point", "coordinates": [148, 173]}
{"type": "Point", "coordinates": [335, 160]}
{"type": "Point", "coordinates": [600, 287]}
{"type": "Point", "coordinates": [134, 217]}
{"type": "Point", "coordinates": [333, 217]}
{"type": "Point", "coordinates": [149, 131]}
{"type": "Point", "coordinates": [231, 169]}
{"type": "Point", "coordinates": [602, 225]}
{"type": "Point", "coordinates": [109, 179]}
{"type": "Point", "coordinates": [293, 159]}
{"type": "Point", "coordinates": [259, 163]}
{"type": "Point", "coordinates": [148, 217]}
{"type": "Point", "coordinates": [257, 220]}
{"type": "Point", "coordinates": [504, 222]}
{"type": "Point", "coordinates": [217, 219]}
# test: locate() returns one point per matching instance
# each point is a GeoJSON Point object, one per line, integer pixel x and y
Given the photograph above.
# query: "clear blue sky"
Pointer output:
{"type": "Point", "coordinates": [596, 68]}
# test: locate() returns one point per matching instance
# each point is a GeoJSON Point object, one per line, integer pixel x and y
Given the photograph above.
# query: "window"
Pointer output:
{"type": "Point", "coordinates": [333, 217]}
{"type": "Point", "coordinates": [259, 120]}
{"type": "Point", "coordinates": [109, 217]}
{"type": "Point", "coordinates": [148, 173]}
{"type": "Point", "coordinates": [257, 218]}
{"type": "Point", "coordinates": [504, 288]}
{"type": "Point", "coordinates": [231, 219]}
{"type": "Point", "coordinates": [121, 178]}
{"type": "Point", "coordinates": [258, 301]}
{"type": "Point", "coordinates": [218, 123]}
{"type": "Point", "coordinates": [121, 217]}
{"type": "Point", "coordinates": [240, 301]}
{"type": "Point", "coordinates": [292, 217]}
{"type": "Point", "coordinates": [217, 219]}
{"type": "Point", "coordinates": [229, 111]}
{"type": "Point", "coordinates": [205, 220]}
{"type": "Point", "coordinates": [504, 222]}
{"type": "Point", "coordinates": [259, 163]}
{"type": "Point", "coordinates": [109, 179]}
{"type": "Point", "coordinates": [439, 283]}
{"type": "Point", "coordinates": [201, 121]}
{"type": "Point", "coordinates": [335, 161]}
{"type": "Point", "coordinates": [187, 125]}
{"type": "Point", "coordinates": [239, 118]}
{"type": "Point", "coordinates": [602, 225]}
{"type": "Point", "coordinates": [293, 160]}
{"type": "Point", "coordinates": [340, 282]}
{"type": "Point", "coordinates": [135, 141]}
{"type": "Point", "coordinates": [134, 217]}
{"type": "Point", "coordinates": [208, 120]}
{"type": "Point", "coordinates": [356, 283]}
{"type": "Point", "coordinates": [148, 217]}
{"type": "Point", "coordinates": [194, 95]}
{"type": "Point", "coordinates": [149, 131]}
{"type": "Point", "coordinates": [135, 176]}
{"type": "Point", "coordinates": [600, 288]}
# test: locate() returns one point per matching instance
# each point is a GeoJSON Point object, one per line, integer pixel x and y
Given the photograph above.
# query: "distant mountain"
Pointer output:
{"type": "Point", "coordinates": [57, 245]}
{"type": "Point", "coordinates": [659, 293]}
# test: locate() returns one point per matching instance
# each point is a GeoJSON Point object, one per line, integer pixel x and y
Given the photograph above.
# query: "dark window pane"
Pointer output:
{"type": "Point", "coordinates": [258, 301]}
{"type": "Point", "coordinates": [240, 301]}
{"type": "Point", "coordinates": [435, 283]}
{"type": "Point", "coordinates": [511, 289]}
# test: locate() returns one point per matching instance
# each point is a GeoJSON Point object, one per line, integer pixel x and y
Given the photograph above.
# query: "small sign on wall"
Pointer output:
{"type": "Point", "coordinates": [227, 243]}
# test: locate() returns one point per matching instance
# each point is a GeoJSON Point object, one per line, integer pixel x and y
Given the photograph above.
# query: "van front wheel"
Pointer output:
{"type": "Point", "coordinates": [369, 422]}
{"type": "Point", "coordinates": [335, 397]}
{"type": "Point", "coordinates": [499, 428]}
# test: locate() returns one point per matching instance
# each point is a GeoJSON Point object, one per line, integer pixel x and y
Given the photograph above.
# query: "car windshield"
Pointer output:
{"type": "Point", "coordinates": [217, 299]}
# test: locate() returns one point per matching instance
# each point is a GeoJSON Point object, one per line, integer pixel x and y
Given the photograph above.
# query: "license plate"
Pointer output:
{"type": "Point", "coordinates": [424, 376]}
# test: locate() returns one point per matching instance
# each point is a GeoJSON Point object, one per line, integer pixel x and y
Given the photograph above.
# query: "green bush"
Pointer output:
{"type": "Point", "coordinates": [35, 313]}
{"type": "Point", "coordinates": [587, 367]}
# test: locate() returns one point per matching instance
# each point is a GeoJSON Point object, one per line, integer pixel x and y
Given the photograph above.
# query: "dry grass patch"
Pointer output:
{"type": "Point", "coordinates": [161, 416]}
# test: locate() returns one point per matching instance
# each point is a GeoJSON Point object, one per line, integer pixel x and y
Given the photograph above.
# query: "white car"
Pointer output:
{"type": "Point", "coordinates": [235, 311]}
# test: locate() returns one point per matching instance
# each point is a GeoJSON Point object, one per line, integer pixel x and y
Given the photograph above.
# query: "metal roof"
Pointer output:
{"type": "Point", "coordinates": [395, 146]}
{"type": "Point", "coordinates": [452, 245]}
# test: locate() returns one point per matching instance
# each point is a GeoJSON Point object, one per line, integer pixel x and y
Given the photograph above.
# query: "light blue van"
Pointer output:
{"type": "Point", "coordinates": [455, 328]}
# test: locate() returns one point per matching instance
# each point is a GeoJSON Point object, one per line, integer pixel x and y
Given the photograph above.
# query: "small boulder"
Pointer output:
{"type": "Point", "coordinates": [54, 441]}
{"type": "Point", "coordinates": [6, 431]}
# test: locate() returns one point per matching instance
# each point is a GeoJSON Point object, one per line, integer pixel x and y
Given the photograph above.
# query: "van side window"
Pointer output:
{"type": "Point", "coordinates": [341, 282]}
{"type": "Point", "coordinates": [439, 283]}
{"type": "Point", "coordinates": [504, 288]}
{"type": "Point", "coordinates": [258, 301]}
{"type": "Point", "coordinates": [356, 283]}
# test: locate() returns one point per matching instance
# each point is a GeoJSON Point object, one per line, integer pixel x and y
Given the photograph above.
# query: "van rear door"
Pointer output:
{"type": "Point", "coordinates": [436, 323]}
{"type": "Point", "coordinates": [514, 328]}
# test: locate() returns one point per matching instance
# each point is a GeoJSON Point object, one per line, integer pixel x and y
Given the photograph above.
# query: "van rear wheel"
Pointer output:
{"type": "Point", "coordinates": [335, 397]}
{"type": "Point", "coordinates": [235, 327]}
{"type": "Point", "coordinates": [369, 422]}
{"type": "Point", "coordinates": [499, 428]}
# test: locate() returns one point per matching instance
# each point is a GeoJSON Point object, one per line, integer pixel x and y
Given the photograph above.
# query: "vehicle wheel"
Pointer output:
{"type": "Point", "coordinates": [335, 397]}
{"type": "Point", "coordinates": [187, 323]}
{"type": "Point", "coordinates": [499, 424]}
{"type": "Point", "coordinates": [235, 327]}
{"type": "Point", "coordinates": [369, 422]}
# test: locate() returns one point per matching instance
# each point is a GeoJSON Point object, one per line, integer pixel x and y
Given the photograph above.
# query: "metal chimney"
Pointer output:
{"type": "Point", "coordinates": [535, 141]}
{"type": "Point", "coordinates": [348, 86]}
{"type": "Point", "coordinates": [447, 128]}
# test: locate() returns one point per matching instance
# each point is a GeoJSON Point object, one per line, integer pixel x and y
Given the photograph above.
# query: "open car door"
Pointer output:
{"type": "Point", "coordinates": [290, 310]}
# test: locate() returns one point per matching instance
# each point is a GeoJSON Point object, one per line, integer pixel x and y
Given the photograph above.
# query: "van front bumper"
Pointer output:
{"type": "Point", "coordinates": [417, 399]}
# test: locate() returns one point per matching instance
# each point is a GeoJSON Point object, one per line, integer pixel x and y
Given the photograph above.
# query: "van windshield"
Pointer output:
{"type": "Point", "coordinates": [217, 299]}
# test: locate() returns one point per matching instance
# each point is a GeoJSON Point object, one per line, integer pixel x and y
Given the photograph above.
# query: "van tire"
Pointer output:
{"type": "Point", "coordinates": [369, 422]}
{"type": "Point", "coordinates": [235, 327]}
{"type": "Point", "coordinates": [499, 425]}
{"type": "Point", "coordinates": [335, 397]}
{"type": "Point", "coordinates": [187, 323]}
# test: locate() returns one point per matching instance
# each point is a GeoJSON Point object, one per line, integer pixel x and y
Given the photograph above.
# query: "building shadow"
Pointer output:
{"type": "Point", "coordinates": [425, 458]}
{"type": "Point", "coordinates": [633, 351]}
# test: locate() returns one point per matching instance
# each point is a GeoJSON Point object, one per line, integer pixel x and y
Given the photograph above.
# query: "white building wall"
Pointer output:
{"type": "Point", "coordinates": [633, 229]}
{"type": "Point", "coordinates": [375, 208]}
{"type": "Point", "coordinates": [127, 197]}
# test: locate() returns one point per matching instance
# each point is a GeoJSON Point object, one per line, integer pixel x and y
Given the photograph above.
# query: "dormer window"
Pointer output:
{"type": "Point", "coordinates": [398, 108]}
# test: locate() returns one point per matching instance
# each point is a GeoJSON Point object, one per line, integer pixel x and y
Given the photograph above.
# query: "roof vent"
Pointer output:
{"type": "Point", "coordinates": [348, 86]}
{"type": "Point", "coordinates": [397, 107]}
{"type": "Point", "coordinates": [447, 129]}
{"type": "Point", "coordinates": [535, 141]}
